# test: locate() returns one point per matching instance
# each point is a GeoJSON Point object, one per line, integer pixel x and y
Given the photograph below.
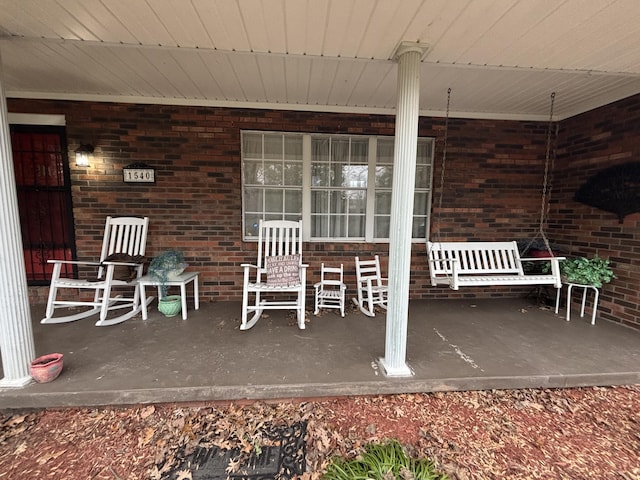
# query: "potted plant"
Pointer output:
{"type": "Point", "coordinates": [163, 268]}
{"type": "Point", "coordinates": [536, 249]}
{"type": "Point", "coordinates": [586, 271]}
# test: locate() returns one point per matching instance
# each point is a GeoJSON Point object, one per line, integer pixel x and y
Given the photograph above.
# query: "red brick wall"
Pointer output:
{"type": "Point", "coordinates": [589, 143]}
{"type": "Point", "coordinates": [492, 185]}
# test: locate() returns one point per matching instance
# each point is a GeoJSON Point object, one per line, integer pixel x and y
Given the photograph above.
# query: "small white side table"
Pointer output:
{"type": "Point", "coordinates": [180, 281]}
{"type": "Point", "coordinates": [585, 289]}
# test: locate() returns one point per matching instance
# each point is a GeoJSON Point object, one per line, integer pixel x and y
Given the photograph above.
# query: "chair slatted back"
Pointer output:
{"type": "Point", "coordinates": [331, 275]}
{"type": "Point", "coordinates": [369, 269]}
{"type": "Point", "coordinates": [279, 237]}
{"type": "Point", "coordinates": [126, 235]}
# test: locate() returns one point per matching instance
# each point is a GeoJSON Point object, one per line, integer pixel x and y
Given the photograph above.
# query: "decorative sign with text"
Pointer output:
{"type": "Point", "coordinates": [283, 270]}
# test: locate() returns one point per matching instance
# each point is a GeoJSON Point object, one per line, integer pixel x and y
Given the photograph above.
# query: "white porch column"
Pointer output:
{"type": "Point", "coordinates": [404, 172]}
{"type": "Point", "coordinates": [16, 335]}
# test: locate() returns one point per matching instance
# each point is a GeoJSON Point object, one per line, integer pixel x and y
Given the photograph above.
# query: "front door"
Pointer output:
{"type": "Point", "coordinates": [44, 198]}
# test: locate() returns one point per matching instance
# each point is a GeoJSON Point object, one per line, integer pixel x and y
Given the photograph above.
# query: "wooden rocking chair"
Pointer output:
{"type": "Point", "coordinates": [121, 265]}
{"type": "Point", "coordinates": [279, 270]}
{"type": "Point", "coordinates": [372, 287]}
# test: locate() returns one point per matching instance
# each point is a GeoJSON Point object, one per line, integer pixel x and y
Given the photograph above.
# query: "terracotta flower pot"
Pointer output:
{"type": "Point", "coordinates": [46, 368]}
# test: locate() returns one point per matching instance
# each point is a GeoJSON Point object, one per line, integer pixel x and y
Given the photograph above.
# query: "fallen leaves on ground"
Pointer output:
{"type": "Point", "coordinates": [576, 433]}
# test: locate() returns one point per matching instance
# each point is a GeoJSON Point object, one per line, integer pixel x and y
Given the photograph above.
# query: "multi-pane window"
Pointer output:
{"type": "Point", "coordinates": [383, 183]}
{"type": "Point", "coordinates": [339, 170]}
{"type": "Point", "coordinates": [271, 178]}
{"type": "Point", "coordinates": [339, 185]}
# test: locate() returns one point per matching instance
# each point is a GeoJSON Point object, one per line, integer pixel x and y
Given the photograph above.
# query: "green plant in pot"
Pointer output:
{"type": "Point", "coordinates": [586, 271]}
{"type": "Point", "coordinates": [165, 267]}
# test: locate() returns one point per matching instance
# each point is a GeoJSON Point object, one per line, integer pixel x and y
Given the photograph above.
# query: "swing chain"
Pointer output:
{"type": "Point", "coordinates": [546, 184]}
{"type": "Point", "coordinates": [444, 156]}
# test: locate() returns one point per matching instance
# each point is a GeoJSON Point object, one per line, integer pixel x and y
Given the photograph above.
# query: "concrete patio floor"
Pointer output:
{"type": "Point", "coordinates": [452, 345]}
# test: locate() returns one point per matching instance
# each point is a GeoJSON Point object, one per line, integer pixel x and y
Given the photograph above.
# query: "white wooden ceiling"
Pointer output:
{"type": "Point", "coordinates": [501, 58]}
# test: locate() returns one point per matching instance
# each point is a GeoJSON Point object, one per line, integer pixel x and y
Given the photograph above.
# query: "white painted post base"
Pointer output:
{"type": "Point", "coordinates": [15, 382]}
{"type": "Point", "coordinates": [402, 370]}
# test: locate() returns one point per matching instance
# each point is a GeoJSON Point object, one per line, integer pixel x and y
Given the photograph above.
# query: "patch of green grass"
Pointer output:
{"type": "Point", "coordinates": [386, 461]}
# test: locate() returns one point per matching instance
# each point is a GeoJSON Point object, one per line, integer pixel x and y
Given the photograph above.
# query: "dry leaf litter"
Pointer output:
{"type": "Point", "coordinates": [579, 433]}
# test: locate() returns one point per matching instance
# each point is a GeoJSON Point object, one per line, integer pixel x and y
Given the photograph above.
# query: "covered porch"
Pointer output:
{"type": "Point", "coordinates": [452, 345]}
{"type": "Point", "coordinates": [173, 90]}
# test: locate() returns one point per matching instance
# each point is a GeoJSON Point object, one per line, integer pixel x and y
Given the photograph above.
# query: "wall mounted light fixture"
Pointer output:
{"type": "Point", "coordinates": [84, 154]}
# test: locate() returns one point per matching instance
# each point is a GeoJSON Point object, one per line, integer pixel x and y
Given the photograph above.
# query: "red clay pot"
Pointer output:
{"type": "Point", "coordinates": [46, 368]}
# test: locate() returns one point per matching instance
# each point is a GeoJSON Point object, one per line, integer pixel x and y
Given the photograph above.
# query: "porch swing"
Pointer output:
{"type": "Point", "coordinates": [474, 264]}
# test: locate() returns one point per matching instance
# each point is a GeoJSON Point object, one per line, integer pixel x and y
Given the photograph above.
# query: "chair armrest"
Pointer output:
{"type": "Point", "coordinates": [74, 262]}
{"type": "Point", "coordinates": [130, 264]}
{"type": "Point", "coordinates": [384, 282]}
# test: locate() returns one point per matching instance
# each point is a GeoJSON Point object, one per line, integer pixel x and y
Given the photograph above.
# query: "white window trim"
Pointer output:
{"type": "Point", "coordinates": [306, 187]}
{"type": "Point", "coordinates": [36, 119]}
{"type": "Point", "coordinates": [371, 189]}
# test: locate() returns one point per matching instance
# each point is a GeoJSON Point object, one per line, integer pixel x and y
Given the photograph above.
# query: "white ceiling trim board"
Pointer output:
{"type": "Point", "coordinates": [271, 106]}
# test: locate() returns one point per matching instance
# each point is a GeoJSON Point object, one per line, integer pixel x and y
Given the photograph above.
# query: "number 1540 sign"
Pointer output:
{"type": "Point", "coordinates": [139, 175]}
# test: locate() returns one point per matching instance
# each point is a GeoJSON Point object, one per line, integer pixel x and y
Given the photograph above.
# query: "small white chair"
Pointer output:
{"type": "Point", "coordinates": [330, 292]}
{"type": "Point", "coordinates": [372, 287]}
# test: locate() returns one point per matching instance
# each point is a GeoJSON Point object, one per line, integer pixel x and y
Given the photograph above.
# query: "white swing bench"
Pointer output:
{"type": "Point", "coordinates": [479, 264]}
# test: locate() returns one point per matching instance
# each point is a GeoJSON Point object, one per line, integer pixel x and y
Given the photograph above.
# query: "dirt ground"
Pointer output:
{"type": "Point", "coordinates": [578, 433]}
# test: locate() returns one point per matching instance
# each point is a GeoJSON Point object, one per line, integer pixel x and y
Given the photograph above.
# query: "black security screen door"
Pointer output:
{"type": "Point", "coordinates": [44, 199]}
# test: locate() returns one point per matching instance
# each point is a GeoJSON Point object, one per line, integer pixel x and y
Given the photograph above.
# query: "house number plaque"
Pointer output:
{"type": "Point", "coordinates": [139, 173]}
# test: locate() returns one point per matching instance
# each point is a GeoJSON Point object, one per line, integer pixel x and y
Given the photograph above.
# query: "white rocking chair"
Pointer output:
{"type": "Point", "coordinates": [279, 270]}
{"type": "Point", "coordinates": [121, 265]}
{"type": "Point", "coordinates": [372, 287]}
{"type": "Point", "coordinates": [330, 290]}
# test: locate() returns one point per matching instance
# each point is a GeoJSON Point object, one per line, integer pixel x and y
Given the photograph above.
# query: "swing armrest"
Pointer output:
{"type": "Point", "coordinates": [555, 267]}
{"type": "Point", "coordinates": [452, 275]}
{"type": "Point", "coordinates": [545, 259]}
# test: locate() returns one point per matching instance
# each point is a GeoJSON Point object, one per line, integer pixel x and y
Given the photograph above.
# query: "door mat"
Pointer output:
{"type": "Point", "coordinates": [282, 457]}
